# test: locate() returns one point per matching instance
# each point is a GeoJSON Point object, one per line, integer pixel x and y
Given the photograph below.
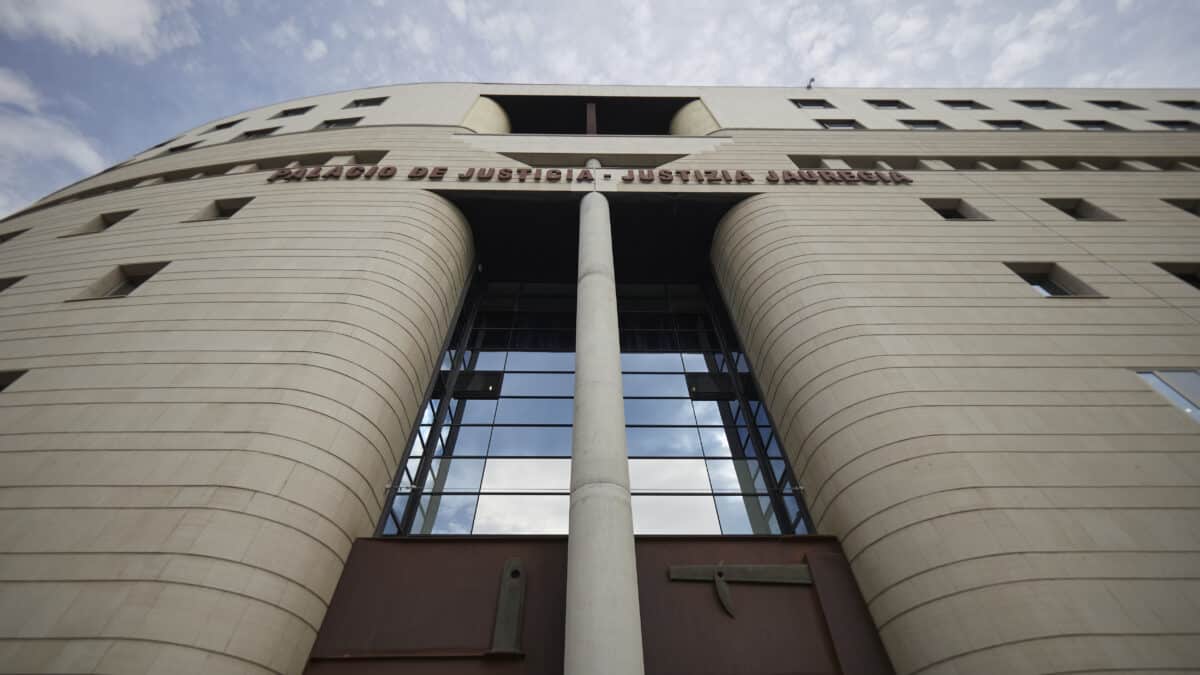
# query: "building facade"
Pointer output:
{"type": "Point", "coordinates": [311, 373]}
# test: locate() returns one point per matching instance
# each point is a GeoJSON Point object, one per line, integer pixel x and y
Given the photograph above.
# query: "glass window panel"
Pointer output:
{"type": "Point", "coordinates": [745, 446]}
{"type": "Point", "coordinates": [736, 475]}
{"type": "Point", "coordinates": [693, 341]}
{"type": "Point", "coordinates": [470, 440]}
{"type": "Point", "coordinates": [427, 413]}
{"type": "Point", "coordinates": [773, 449]}
{"type": "Point", "coordinates": [675, 514]}
{"type": "Point", "coordinates": [408, 474]}
{"type": "Point", "coordinates": [662, 441]}
{"type": "Point", "coordinates": [549, 361]}
{"type": "Point", "coordinates": [522, 514]}
{"type": "Point", "coordinates": [490, 360]}
{"type": "Point", "coordinates": [760, 415]}
{"type": "Point", "coordinates": [447, 357]}
{"type": "Point", "coordinates": [454, 475]}
{"type": "Point", "coordinates": [492, 339]}
{"type": "Point", "coordinates": [544, 441]}
{"type": "Point", "coordinates": [695, 363]}
{"type": "Point", "coordinates": [535, 411]}
{"type": "Point", "coordinates": [418, 447]}
{"type": "Point", "coordinates": [558, 341]}
{"type": "Point", "coordinates": [444, 514]}
{"type": "Point", "coordinates": [651, 363]}
{"type": "Point", "coordinates": [1171, 395]}
{"type": "Point", "coordinates": [743, 366]}
{"type": "Point", "coordinates": [779, 470]}
{"type": "Point", "coordinates": [745, 515]}
{"type": "Point", "coordinates": [654, 385]}
{"type": "Point", "coordinates": [659, 411]}
{"type": "Point", "coordinates": [715, 442]}
{"type": "Point", "coordinates": [478, 411]}
{"type": "Point", "coordinates": [648, 341]}
{"type": "Point", "coordinates": [527, 475]}
{"type": "Point", "coordinates": [708, 413]}
{"type": "Point", "coordinates": [1186, 382]}
{"type": "Point", "coordinates": [538, 384]}
{"type": "Point", "coordinates": [668, 475]}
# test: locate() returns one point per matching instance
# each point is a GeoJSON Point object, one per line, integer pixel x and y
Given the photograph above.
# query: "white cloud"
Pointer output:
{"type": "Point", "coordinates": [338, 30]}
{"type": "Point", "coordinates": [458, 8]}
{"type": "Point", "coordinates": [316, 50]}
{"type": "Point", "coordinates": [285, 35]}
{"type": "Point", "coordinates": [138, 29]}
{"type": "Point", "coordinates": [18, 91]}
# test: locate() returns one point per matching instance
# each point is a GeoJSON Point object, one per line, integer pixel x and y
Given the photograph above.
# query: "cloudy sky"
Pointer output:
{"type": "Point", "coordinates": [86, 83]}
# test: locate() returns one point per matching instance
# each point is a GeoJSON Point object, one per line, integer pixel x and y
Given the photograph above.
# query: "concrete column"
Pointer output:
{"type": "Point", "coordinates": [603, 621]}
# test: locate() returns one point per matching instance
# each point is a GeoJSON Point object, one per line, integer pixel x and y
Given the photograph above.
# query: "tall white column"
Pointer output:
{"type": "Point", "coordinates": [603, 621]}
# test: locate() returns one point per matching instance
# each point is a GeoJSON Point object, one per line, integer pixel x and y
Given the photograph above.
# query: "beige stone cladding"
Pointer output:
{"type": "Point", "coordinates": [1012, 497]}
{"type": "Point", "coordinates": [183, 470]}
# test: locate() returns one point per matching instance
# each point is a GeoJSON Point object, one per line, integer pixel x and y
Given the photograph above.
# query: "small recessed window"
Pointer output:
{"type": "Point", "coordinates": [293, 112]}
{"type": "Point", "coordinates": [122, 281]}
{"type": "Point", "coordinates": [100, 223]}
{"type": "Point", "coordinates": [1039, 104]}
{"type": "Point", "coordinates": [1178, 125]}
{"type": "Point", "coordinates": [840, 124]}
{"type": "Point", "coordinates": [1080, 209]}
{"type": "Point", "coordinates": [366, 102]}
{"type": "Point", "coordinates": [889, 104]}
{"type": "Point", "coordinates": [222, 209]}
{"type": "Point", "coordinates": [339, 124]}
{"type": "Point", "coordinates": [955, 209]}
{"type": "Point", "coordinates": [181, 148]}
{"type": "Point", "coordinates": [1192, 206]}
{"type": "Point", "coordinates": [9, 235]}
{"type": "Point", "coordinates": [225, 125]}
{"type": "Point", "coordinates": [1011, 125]}
{"type": "Point", "coordinates": [1186, 105]}
{"type": "Point", "coordinates": [1180, 387]}
{"type": "Point", "coordinates": [7, 377]}
{"type": "Point", "coordinates": [925, 125]}
{"type": "Point", "coordinates": [1050, 280]}
{"type": "Point", "coordinates": [1116, 105]}
{"type": "Point", "coordinates": [1096, 125]}
{"type": "Point", "coordinates": [1188, 273]}
{"type": "Point", "coordinates": [8, 281]}
{"type": "Point", "coordinates": [812, 103]}
{"type": "Point", "coordinates": [964, 104]}
{"type": "Point", "coordinates": [258, 133]}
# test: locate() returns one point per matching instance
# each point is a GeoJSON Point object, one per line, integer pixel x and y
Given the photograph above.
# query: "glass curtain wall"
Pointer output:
{"type": "Point", "coordinates": [491, 454]}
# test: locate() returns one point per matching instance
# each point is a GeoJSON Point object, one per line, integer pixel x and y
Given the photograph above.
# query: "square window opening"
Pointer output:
{"type": "Point", "coordinates": [1039, 104]}
{"type": "Point", "coordinates": [9, 235]}
{"type": "Point", "coordinates": [1050, 280]}
{"type": "Point", "coordinates": [1080, 209]}
{"type": "Point", "coordinates": [812, 104]}
{"type": "Point", "coordinates": [342, 123]}
{"type": "Point", "coordinates": [257, 133]}
{"type": "Point", "coordinates": [293, 112]}
{"type": "Point", "coordinates": [925, 125]}
{"type": "Point", "coordinates": [1096, 125]}
{"type": "Point", "coordinates": [223, 209]}
{"type": "Point", "coordinates": [122, 281]}
{"type": "Point", "coordinates": [1192, 206]}
{"type": "Point", "coordinates": [955, 209]}
{"type": "Point", "coordinates": [1187, 272]}
{"type": "Point", "coordinates": [1011, 125]}
{"type": "Point", "coordinates": [840, 125]}
{"type": "Point", "coordinates": [964, 104]}
{"type": "Point", "coordinates": [100, 223]}
{"type": "Point", "coordinates": [225, 125]}
{"type": "Point", "coordinates": [1116, 105]}
{"type": "Point", "coordinates": [7, 377]}
{"type": "Point", "coordinates": [888, 104]}
{"type": "Point", "coordinates": [366, 102]}
{"type": "Point", "coordinates": [1177, 125]}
